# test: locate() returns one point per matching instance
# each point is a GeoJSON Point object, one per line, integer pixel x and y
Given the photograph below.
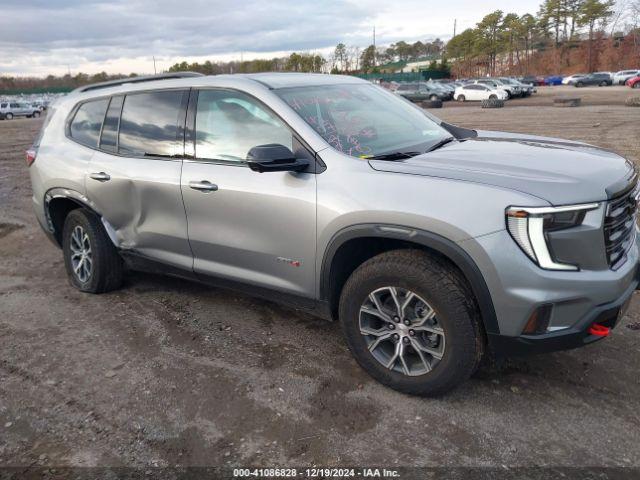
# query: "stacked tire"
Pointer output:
{"type": "Point", "coordinates": [432, 104]}
{"type": "Point", "coordinates": [633, 102]}
{"type": "Point", "coordinates": [492, 103]}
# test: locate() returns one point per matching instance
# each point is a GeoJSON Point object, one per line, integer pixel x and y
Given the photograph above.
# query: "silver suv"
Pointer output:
{"type": "Point", "coordinates": [10, 110]}
{"type": "Point", "coordinates": [433, 245]}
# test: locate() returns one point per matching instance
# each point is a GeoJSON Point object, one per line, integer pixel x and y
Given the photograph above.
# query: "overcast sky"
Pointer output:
{"type": "Point", "coordinates": [38, 37]}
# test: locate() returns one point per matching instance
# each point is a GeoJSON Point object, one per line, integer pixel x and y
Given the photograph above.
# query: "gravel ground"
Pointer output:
{"type": "Point", "coordinates": [166, 372]}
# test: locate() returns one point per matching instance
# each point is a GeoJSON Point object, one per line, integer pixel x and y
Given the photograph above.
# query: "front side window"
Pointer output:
{"type": "Point", "coordinates": [229, 124]}
{"type": "Point", "coordinates": [363, 120]}
{"type": "Point", "coordinates": [87, 122]}
{"type": "Point", "coordinates": [149, 124]}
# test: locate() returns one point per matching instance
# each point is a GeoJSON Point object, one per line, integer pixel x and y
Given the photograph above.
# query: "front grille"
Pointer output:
{"type": "Point", "coordinates": [620, 227]}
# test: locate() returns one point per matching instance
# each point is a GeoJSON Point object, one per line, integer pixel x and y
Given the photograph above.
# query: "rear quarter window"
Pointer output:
{"type": "Point", "coordinates": [87, 122]}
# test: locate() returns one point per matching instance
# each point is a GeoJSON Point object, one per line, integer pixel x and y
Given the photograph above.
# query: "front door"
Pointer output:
{"type": "Point", "coordinates": [256, 228]}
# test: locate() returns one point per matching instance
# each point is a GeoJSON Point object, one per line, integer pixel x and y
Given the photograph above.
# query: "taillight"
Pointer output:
{"type": "Point", "coordinates": [31, 156]}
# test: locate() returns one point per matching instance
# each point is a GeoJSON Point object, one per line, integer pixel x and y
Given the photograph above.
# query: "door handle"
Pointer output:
{"type": "Point", "coordinates": [100, 176]}
{"type": "Point", "coordinates": [203, 186]}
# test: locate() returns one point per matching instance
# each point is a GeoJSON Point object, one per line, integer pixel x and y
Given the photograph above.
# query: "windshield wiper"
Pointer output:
{"type": "Point", "coordinates": [440, 144]}
{"type": "Point", "coordinates": [393, 156]}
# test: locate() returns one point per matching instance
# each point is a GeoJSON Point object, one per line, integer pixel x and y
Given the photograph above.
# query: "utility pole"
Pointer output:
{"type": "Point", "coordinates": [455, 25]}
{"type": "Point", "coordinates": [154, 65]}
{"type": "Point", "coordinates": [374, 45]}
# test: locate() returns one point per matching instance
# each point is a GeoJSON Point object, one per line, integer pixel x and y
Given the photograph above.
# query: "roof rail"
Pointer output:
{"type": "Point", "coordinates": [148, 78]}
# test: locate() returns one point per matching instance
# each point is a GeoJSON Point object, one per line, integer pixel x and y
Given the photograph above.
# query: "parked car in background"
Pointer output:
{"type": "Point", "coordinates": [571, 78]}
{"type": "Point", "coordinates": [553, 80]}
{"type": "Point", "coordinates": [10, 110]}
{"type": "Point", "coordinates": [610, 74]}
{"type": "Point", "coordinates": [419, 92]}
{"type": "Point", "coordinates": [599, 79]}
{"type": "Point", "coordinates": [621, 77]}
{"type": "Point", "coordinates": [446, 90]}
{"type": "Point", "coordinates": [634, 82]}
{"type": "Point", "coordinates": [476, 92]}
{"type": "Point", "coordinates": [522, 90]}
{"type": "Point", "coordinates": [496, 84]}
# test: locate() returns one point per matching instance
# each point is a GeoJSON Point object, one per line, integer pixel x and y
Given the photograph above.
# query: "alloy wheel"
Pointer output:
{"type": "Point", "coordinates": [81, 258]}
{"type": "Point", "coordinates": [402, 331]}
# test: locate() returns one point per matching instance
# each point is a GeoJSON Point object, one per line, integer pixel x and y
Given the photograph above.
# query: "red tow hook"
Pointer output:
{"type": "Point", "coordinates": [599, 330]}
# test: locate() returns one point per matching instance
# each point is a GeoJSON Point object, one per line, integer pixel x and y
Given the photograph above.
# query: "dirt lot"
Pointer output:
{"type": "Point", "coordinates": [166, 372]}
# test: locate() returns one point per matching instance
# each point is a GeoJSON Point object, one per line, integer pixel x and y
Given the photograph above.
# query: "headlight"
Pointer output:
{"type": "Point", "coordinates": [529, 226]}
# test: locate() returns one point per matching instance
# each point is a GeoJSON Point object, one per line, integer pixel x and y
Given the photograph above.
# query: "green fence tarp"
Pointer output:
{"type": "Point", "coordinates": [422, 75]}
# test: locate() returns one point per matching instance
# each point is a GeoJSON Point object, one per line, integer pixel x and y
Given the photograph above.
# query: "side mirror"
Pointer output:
{"type": "Point", "coordinates": [274, 158]}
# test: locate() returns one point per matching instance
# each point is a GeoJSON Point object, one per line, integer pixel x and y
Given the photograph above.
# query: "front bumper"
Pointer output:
{"type": "Point", "coordinates": [518, 288]}
{"type": "Point", "coordinates": [607, 315]}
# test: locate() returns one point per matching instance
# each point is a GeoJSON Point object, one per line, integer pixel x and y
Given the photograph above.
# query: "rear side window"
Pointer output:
{"type": "Point", "coordinates": [109, 138]}
{"type": "Point", "coordinates": [87, 122]}
{"type": "Point", "coordinates": [3, 105]}
{"type": "Point", "coordinates": [149, 124]}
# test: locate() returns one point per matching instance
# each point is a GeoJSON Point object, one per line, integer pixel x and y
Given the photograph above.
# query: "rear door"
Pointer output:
{"type": "Point", "coordinates": [255, 228]}
{"type": "Point", "coordinates": [134, 177]}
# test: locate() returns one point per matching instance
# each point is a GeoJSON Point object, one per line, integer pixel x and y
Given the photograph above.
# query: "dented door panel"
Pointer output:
{"type": "Point", "coordinates": [142, 202]}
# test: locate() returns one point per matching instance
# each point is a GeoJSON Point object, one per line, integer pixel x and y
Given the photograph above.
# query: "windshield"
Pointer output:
{"type": "Point", "coordinates": [363, 120]}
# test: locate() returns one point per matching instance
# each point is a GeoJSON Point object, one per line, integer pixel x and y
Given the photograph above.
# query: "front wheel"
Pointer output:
{"type": "Point", "coordinates": [492, 97]}
{"type": "Point", "coordinates": [433, 98]}
{"type": "Point", "coordinates": [411, 322]}
{"type": "Point", "coordinates": [91, 260]}
{"type": "Point", "coordinates": [36, 114]}
{"type": "Point", "coordinates": [461, 98]}
{"type": "Point", "coordinates": [636, 85]}
{"type": "Point", "coordinates": [9, 116]}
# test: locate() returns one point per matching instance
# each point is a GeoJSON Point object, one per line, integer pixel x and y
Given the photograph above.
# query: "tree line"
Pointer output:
{"type": "Point", "coordinates": [564, 36]}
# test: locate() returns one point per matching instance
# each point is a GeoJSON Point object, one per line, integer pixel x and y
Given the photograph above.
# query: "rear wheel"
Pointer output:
{"type": "Point", "coordinates": [36, 114]}
{"type": "Point", "coordinates": [636, 85]}
{"type": "Point", "coordinates": [433, 98]}
{"type": "Point", "coordinates": [8, 116]}
{"type": "Point", "coordinates": [492, 97]}
{"type": "Point", "coordinates": [91, 260]}
{"type": "Point", "coordinates": [411, 323]}
{"type": "Point", "coordinates": [579, 85]}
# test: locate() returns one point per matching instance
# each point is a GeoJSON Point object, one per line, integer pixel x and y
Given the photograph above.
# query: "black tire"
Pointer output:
{"type": "Point", "coordinates": [508, 94]}
{"type": "Point", "coordinates": [8, 116]}
{"type": "Point", "coordinates": [438, 283]}
{"type": "Point", "coordinates": [492, 97]}
{"type": "Point", "coordinates": [636, 85]}
{"type": "Point", "coordinates": [579, 85]}
{"type": "Point", "coordinates": [36, 114]}
{"type": "Point", "coordinates": [107, 266]}
{"type": "Point", "coordinates": [461, 98]}
{"type": "Point", "coordinates": [433, 98]}
{"type": "Point", "coordinates": [492, 103]}
{"type": "Point", "coordinates": [432, 104]}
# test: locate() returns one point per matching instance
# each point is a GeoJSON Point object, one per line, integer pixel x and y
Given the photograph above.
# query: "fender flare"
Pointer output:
{"type": "Point", "coordinates": [433, 241]}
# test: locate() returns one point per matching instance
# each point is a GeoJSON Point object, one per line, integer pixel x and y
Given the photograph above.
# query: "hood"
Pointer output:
{"type": "Point", "coordinates": [558, 171]}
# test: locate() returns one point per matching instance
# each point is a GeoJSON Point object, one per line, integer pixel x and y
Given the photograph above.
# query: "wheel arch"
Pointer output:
{"type": "Point", "coordinates": [358, 243]}
{"type": "Point", "coordinates": [58, 202]}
